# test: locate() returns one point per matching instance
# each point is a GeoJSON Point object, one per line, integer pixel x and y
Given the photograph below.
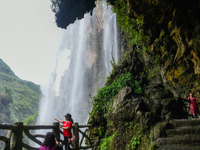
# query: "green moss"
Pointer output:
{"type": "Point", "coordinates": [106, 143]}
{"type": "Point", "coordinates": [101, 100]}
{"type": "Point", "coordinates": [131, 27]}
{"type": "Point", "coordinates": [136, 139]}
{"type": "Point", "coordinates": [152, 72]}
{"type": "Point", "coordinates": [101, 131]}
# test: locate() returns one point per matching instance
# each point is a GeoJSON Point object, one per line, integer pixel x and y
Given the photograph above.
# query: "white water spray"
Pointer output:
{"type": "Point", "coordinates": [82, 65]}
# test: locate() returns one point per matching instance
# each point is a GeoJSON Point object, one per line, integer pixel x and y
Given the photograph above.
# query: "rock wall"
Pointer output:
{"type": "Point", "coordinates": [70, 10]}
{"type": "Point", "coordinates": [162, 39]}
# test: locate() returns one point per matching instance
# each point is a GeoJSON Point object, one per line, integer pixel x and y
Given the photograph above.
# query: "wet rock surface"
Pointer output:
{"type": "Point", "coordinates": [70, 10]}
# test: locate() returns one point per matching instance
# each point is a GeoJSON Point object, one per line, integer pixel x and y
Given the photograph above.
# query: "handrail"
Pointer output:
{"type": "Point", "coordinates": [7, 127]}
{"type": "Point", "coordinates": [17, 130]}
{"type": "Point", "coordinates": [38, 127]}
{"type": "Point", "coordinates": [32, 137]}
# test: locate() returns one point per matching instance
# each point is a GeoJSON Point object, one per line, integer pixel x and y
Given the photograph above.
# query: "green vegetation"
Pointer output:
{"type": "Point", "coordinates": [101, 100]}
{"type": "Point", "coordinates": [136, 139]}
{"type": "Point", "coordinates": [5, 69]}
{"type": "Point", "coordinates": [101, 131]}
{"type": "Point", "coordinates": [106, 143]}
{"type": "Point", "coordinates": [19, 99]}
{"type": "Point", "coordinates": [30, 119]}
{"type": "Point", "coordinates": [130, 26]}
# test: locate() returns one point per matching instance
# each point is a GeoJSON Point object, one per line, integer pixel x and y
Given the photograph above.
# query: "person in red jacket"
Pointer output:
{"type": "Point", "coordinates": [67, 126]}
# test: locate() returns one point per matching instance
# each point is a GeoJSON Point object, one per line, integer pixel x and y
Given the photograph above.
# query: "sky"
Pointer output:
{"type": "Point", "coordinates": [29, 38]}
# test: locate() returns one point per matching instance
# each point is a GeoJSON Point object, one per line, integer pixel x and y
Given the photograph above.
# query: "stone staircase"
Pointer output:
{"type": "Point", "coordinates": [184, 134]}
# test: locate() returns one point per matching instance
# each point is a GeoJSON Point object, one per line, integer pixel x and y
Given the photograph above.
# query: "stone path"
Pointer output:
{"type": "Point", "coordinates": [183, 135]}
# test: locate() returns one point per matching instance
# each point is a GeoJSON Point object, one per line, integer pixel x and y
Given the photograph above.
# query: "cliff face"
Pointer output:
{"type": "Point", "coordinates": [163, 39]}
{"type": "Point", "coordinates": [172, 29]}
{"type": "Point", "coordinates": [70, 10]}
{"type": "Point", "coordinates": [166, 37]}
{"type": "Point", "coordinates": [159, 70]}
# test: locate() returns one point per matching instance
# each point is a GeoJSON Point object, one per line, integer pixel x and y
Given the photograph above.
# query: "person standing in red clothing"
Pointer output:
{"type": "Point", "coordinates": [194, 110]}
{"type": "Point", "coordinates": [67, 126]}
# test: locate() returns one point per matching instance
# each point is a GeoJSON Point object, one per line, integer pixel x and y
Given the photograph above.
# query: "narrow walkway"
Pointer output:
{"type": "Point", "coordinates": [183, 135]}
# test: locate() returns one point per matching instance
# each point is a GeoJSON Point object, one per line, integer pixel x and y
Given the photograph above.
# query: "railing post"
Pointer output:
{"type": "Point", "coordinates": [7, 143]}
{"type": "Point", "coordinates": [56, 130]}
{"type": "Point", "coordinates": [17, 136]}
{"type": "Point", "coordinates": [75, 130]}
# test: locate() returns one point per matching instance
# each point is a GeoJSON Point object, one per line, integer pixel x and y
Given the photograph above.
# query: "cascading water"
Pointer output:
{"type": "Point", "coordinates": [82, 65]}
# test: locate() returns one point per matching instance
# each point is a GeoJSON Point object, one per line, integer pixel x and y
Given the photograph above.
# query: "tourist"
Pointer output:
{"type": "Point", "coordinates": [67, 126]}
{"type": "Point", "coordinates": [194, 110]}
{"type": "Point", "coordinates": [50, 142]}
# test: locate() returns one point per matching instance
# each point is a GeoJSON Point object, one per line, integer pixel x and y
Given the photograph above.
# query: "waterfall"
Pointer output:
{"type": "Point", "coordinates": [82, 65]}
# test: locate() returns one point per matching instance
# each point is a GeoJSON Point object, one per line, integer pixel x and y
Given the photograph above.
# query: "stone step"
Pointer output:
{"type": "Point", "coordinates": [182, 140]}
{"type": "Point", "coordinates": [184, 122]}
{"type": "Point", "coordinates": [192, 130]}
{"type": "Point", "coordinates": [179, 147]}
